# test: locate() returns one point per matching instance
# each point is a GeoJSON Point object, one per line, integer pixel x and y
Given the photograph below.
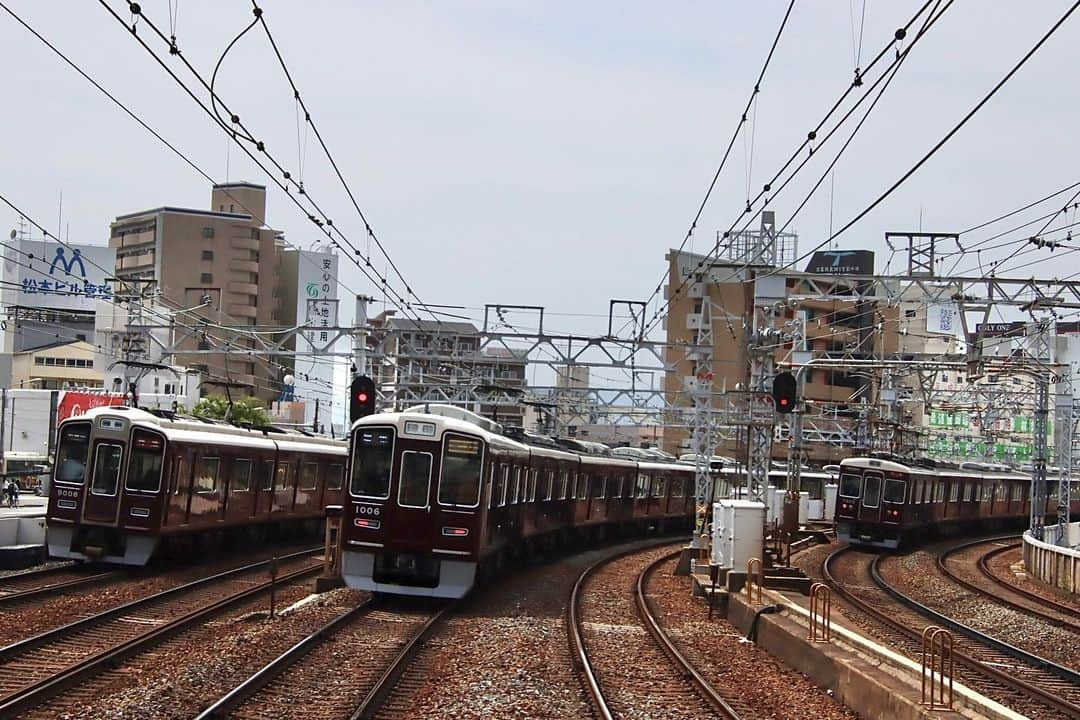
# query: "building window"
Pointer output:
{"type": "Point", "coordinates": [206, 278]}
{"type": "Point", "coordinates": [207, 254]}
{"type": "Point", "coordinates": [911, 313]}
{"type": "Point", "coordinates": [208, 232]}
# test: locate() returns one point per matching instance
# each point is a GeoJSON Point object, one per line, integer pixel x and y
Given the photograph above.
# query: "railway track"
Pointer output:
{"type": "Point", "coordinates": [673, 687]}
{"type": "Point", "coordinates": [34, 584]}
{"type": "Point", "coordinates": [370, 647]}
{"type": "Point", "coordinates": [1027, 684]}
{"type": "Point", "coordinates": [40, 667]}
{"type": "Point", "coordinates": [1004, 593]}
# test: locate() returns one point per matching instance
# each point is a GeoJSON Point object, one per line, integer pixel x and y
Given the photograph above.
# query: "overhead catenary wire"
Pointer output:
{"type": "Point", "coordinates": [283, 179]}
{"type": "Point", "coordinates": [898, 36]}
{"type": "Point", "coordinates": [944, 140]}
{"type": "Point", "coordinates": [130, 113]}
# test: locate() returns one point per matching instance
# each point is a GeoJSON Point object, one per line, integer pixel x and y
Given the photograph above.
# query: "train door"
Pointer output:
{"type": "Point", "coordinates": [415, 472]}
{"type": "Point", "coordinates": [870, 503]}
{"type": "Point", "coordinates": [103, 499]}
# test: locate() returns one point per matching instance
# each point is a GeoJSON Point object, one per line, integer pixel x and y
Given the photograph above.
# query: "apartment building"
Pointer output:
{"type": "Point", "coordinates": [417, 361]}
{"type": "Point", "coordinates": [219, 265]}
{"type": "Point", "coordinates": [835, 328]}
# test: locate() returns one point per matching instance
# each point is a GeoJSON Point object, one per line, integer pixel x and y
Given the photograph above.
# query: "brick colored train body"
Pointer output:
{"type": "Point", "coordinates": [887, 504]}
{"type": "Point", "coordinates": [128, 484]}
{"type": "Point", "coordinates": [438, 497]}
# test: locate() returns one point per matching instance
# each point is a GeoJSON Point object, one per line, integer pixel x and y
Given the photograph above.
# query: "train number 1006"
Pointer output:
{"type": "Point", "coordinates": [368, 510]}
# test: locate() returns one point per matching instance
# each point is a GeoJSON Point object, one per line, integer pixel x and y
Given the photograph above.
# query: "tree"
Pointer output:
{"type": "Point", "coordinates": [244, 410]}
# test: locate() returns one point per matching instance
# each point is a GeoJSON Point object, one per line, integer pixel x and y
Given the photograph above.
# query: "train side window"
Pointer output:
{"type": "Point", "coordinates": [282, 481]}
{"type": "Point", "coordinates": [987, 491]}
{"type": "Point", "coordinates": [309, 476]}
{"type": "Point", "coordinates": [583, 486]}
{"type": "Point", "coordinates": [335, 475]}
{"type": "Point", "coordinates": [616, 491]}
{"type": "Point", "coordinates": [498, 485]}
{"type": "Point", "coordinates": [599, 486]}
{"type": "Point", "coordinates": [871, 496]}
{"type": "Point", "coordinates": [534, 477]}
{"type": "Point", "coordinates": [241, 476]}
{"type": "Point", "coordinates": [515, 493]}
{"type": "Point", "coordinates": [954, 491]}
{"type": "Point", "coordinates": [973, 491]}
{"type": "Point", "coordinates": [677, 487]}
{"type": "Point", "coordinates": [564, 483]}
{"type": "Point", "coordinates": [549, 489]}
{"type": "Point", "coordinates": [850, 485]}
{"type": "Point", "coordinates": [206, 474]}
{"type": "Point", "coordinates": [916, 491]}
{"type": "Point", "coordinates": [178, 476]}
{"type": "Point", "coordinates": [641, 487]}
{"type": "Point", "coordinates": [659, 487]}
{"type": "Point", "coordinates": [999, 491]}
{"type": "Point", "coordinates": [107, 459]}
{"type": "Point", "coordinates": [895, 490]}
{"type": "Point", "coordinates": [268, 475]}
{"type": "Point", "coordinates": [940, 487]}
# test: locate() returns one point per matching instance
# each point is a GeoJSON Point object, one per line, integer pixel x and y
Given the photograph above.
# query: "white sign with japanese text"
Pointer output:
{"type": "Point", "coordinates": [65, 277]}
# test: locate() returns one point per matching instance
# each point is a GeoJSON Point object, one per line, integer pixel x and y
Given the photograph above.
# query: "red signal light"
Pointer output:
{"type": "Point", "coordinates": [362, 397]}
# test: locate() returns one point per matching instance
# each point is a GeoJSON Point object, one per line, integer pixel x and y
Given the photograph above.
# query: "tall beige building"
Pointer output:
{"type": "Point", "coordinates": [224, 262]}
{"type": "Point", "coordinates": [834, 329]}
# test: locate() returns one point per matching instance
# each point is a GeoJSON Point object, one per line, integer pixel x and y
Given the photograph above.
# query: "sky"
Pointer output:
{"type": "Point", "coordinates": [543, 153]}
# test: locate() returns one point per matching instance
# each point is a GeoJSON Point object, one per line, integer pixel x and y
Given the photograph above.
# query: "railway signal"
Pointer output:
{"type": "Point", "coordinates": [783, 392]}
{"type": "Point", "coordinates": [361, 398]}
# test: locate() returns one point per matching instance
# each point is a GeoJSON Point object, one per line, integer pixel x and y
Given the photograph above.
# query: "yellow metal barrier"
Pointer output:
{"type": "Point", "coordinates": [751, 564]}
{"type": "Point", "coordinates": [937, 667]}
{"type": "Point", "coordinates": [820, 613]}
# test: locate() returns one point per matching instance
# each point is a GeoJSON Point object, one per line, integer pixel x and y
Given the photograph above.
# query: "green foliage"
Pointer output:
{"type": "Point", "coordinates": [244, 410]}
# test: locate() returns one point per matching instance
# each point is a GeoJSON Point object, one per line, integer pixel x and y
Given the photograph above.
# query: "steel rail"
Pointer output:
{"type": "Point", "coordinates": [989, 640]}
{"type": "Point", "coordinates": [664, 641]}
{"type": "Point", "coordinates": [386, 683]}
{"type": "Point", "coordinates": [49, 687]}
{"type": "Point", "coordinates": [578, 651]}
{"type": "Point", "coordinates": [276, 667]}
{"type": "Point", "coordinates": [982, 591]}
{"type": "Point", "coordinates": [1033, 691]}
{"type": "Point", "coordinates": [12, 596]}
{"type": "Point", "coordinates": [985, 569]}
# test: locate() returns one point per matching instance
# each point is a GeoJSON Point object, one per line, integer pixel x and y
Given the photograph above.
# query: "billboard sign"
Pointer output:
{"type": "Point", "coordinates": [942, 318]}
{"type": "Point", "coordinates": [64, 277]}
{"type": "Point", "coordinates": [74, 403]}
{"type": "Point", "coordinates": [842, 262]}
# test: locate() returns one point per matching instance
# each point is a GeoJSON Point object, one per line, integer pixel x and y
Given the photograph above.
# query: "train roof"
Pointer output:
{"type": "Point", "coordinates": [433, 420]}
{"type": "Point", "coordinates": [198, 430]}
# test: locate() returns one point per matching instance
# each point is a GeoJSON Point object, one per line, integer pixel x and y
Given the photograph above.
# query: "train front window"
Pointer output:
{"type": "Point", "coordinates": [850, 485]}
{"type": "Point", "coordinates": [415, 480]}
{"type": "Point", "coordinates": [72, 455]}
{"type": "Point", "coordinates": [373, 456]}
{"type": "Point", "coordinates": [894, 491]}
{"type": "Point", "coordinates": [459, 481]}
{"type": "Point", "coordinates": [144, 468]}
{"type": "Point", "coordinates": [872, 492]}
{"type": "Point", "coordinates": [107, 469]}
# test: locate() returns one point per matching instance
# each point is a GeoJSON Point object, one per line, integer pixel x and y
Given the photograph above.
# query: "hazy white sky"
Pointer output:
{"type": "Point", "coordinates": [541, 153]}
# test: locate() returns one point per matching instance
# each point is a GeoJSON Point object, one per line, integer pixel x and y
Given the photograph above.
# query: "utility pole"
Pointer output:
{"type": "Point", "coordinates": [702, 436]}
{"type": "Point", "coordinates": [1064, 421]}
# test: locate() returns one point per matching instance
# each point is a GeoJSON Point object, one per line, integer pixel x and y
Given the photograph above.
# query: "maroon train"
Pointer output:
{"type": "Point", "coordinates": [128, 484]}
{"type": "Point", "coordinates": [882, 503]}
{"type": "Point", "coordinates": [438, 496]}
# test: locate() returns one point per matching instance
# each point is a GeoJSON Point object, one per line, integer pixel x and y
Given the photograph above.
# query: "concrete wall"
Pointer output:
{"type": "Point", "coordinates": [1054, 564]}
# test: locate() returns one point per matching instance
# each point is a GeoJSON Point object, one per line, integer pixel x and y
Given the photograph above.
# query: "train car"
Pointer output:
{"type": "Point", "coordinates": [438, 497]}
{"type": "Point", "coordinates": [884, 503]}
{"type": "Point", "coordinates": [128, 484]}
